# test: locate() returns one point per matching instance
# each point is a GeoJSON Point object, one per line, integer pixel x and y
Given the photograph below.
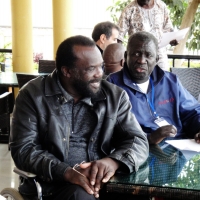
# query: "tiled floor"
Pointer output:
{"type": "Point", "coordinates": [7, 177]}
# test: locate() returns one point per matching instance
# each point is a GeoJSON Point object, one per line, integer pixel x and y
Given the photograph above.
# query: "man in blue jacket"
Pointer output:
{"type": "Point", "coordinates": [163, 107]}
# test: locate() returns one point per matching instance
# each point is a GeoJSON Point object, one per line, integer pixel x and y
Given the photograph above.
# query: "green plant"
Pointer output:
{"type": "Point", "coordinates": [117, 8]}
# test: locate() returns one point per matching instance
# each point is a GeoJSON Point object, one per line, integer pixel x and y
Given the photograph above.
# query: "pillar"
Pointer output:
{"type": "Point", "coordinates": [22, 45]}
{"type": "Point", "coordinates": [62, 21]}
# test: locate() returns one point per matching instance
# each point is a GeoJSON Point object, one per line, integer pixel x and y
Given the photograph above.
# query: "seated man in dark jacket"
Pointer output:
{"type": "Point", "coordinates": [71, 116]}
{"type": "Point", "coordinates": [163, 107]}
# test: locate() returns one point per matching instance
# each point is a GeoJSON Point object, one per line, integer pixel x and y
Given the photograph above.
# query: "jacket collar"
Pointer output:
{"type": "Point", "coordinates": [156, 75]}
{"type": "Point", "coordinates": [52, 88]}
{"type": "Point", "coordinates": [99, 49]}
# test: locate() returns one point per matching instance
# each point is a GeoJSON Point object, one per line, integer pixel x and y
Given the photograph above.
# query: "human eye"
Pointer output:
{"type": "Point", "coordinates": [137, 54]}
{"type": "Point", "coordinates": [90, 69]}
{"type": "Point", "coordinates": [149, 55]}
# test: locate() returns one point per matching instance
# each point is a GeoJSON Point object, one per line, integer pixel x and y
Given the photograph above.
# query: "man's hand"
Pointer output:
{"type": "Point", "coordinates": [161, 133]}
{"type": "Point", "coordinates": [197, 137]}
{"type": "Point", "coordinates": [173, 42]}
{"type": "Point", "coordinates": [100, 171]}
{"type": "Point", "coordinates": [78, 179]}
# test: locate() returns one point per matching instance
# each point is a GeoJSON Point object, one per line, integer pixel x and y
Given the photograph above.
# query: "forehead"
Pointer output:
{"type": "Point", "coordinates": [87, 55]}
{"type": "Point", "coordinates": [137, 45]}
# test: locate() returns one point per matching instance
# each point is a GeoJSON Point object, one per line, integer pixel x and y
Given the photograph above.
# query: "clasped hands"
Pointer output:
{"type": "Point", "coordinates": [92, 175]}
{"type": "Point", "coordinates": [166, 131]}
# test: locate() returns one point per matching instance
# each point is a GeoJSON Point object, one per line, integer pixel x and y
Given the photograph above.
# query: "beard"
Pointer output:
{"type": "Point", "coordinates": [84, 88]}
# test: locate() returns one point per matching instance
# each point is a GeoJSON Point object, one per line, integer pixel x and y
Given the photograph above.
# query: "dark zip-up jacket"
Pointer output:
{"type": "Point", "coordinates": [39, 139]}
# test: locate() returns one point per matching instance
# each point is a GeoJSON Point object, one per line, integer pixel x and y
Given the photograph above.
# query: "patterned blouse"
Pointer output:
{"type": "Point", "coordinates": [156, 20]}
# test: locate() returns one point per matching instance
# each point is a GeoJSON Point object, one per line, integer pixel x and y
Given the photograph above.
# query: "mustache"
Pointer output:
{"type": "Point", "coordinates": [95, 80]}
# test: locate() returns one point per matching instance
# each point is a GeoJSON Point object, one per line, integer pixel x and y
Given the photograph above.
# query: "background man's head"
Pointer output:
{"type": "Point", "coordinates": [105, 33]}
{"type": "Point", "coordinates": [141, 55]}
{"type": "Point", "coordinates": [79, 64]}
{"type": "Point", "coordinates": [113, 57]}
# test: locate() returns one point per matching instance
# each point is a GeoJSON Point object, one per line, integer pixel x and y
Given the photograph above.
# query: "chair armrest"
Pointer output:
{"type": "Point", "coordinates": [24, 174]}
{"type": "Point", "coordinates": [6, 102]}
{"type": "Point", "coordinates": [5, 94]}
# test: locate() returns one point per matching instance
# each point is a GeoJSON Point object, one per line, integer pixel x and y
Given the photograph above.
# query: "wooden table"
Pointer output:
{"type": "Point", "coordinates": [169, 173]}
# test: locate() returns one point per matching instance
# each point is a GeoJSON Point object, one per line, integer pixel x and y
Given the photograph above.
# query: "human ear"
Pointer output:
{"type": "Point", "coordinates": [157, 58]}
{"type": "Point", "coordinates": [122, 62]}
{"type": "Point", "coordinates": [66, 71]}
{"type": "Point", "coordinates": [102, 38]}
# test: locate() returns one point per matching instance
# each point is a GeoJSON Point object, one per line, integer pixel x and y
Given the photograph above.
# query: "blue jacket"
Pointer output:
{"type": "Point", "coordinates": [172, 102]}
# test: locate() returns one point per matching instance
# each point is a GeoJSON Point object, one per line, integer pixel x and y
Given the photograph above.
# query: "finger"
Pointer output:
{"type": "Point", "coordinates": [96, 194]}
{"type": "Point", "coordinates": [88, 188]}
{"type": "Point", "coordinates": [85, 165]}
{"type": "Point", "coordinates": [108, 176]}
{"type": "Point", "coordinates": [173, 131]}
{"type": "Point", "coordinates": [99, 178]}
{"type": "Point", "coordinates": [78, 179]}
{"type": "Point", "coordinates": [93, 173]}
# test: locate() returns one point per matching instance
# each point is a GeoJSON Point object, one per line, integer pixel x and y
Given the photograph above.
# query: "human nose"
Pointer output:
{"type": "Point", "coordinates": [142, 59]}
{"type": "Point", "coordinates": [99, 72]}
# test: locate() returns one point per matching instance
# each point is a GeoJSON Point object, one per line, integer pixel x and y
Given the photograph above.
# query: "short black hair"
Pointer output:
{"type": "Point", "coordinates": [143, 36]}
{"type": "Point", "coordinates": [65, 55]}
{"type": "Point", "coordinates": [103, 28]}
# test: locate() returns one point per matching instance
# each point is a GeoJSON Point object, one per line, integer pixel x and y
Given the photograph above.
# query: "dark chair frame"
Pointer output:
{"type": "Point", "coordinates": [6, 108]}
{"type": "Point", "coordinates": [46, 66]}
{"type": "Point", "coordinates": [24, 78]}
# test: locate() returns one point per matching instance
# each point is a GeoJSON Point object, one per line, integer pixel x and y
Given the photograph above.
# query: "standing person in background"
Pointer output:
{"type": "Point", "coordinates": [113, 57]}
{"type": "Point", "coordinates": [105, 33]}
{"type": "Point", "coordinates": [151, 16]}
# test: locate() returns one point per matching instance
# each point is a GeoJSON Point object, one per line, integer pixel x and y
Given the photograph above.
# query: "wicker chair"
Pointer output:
{"type": "Point", "coordinates": [6, 108]}
{"type": "Point", "coordinates": [46, 66]}
{"type": "Point", "coordinates": [24, 78]}
{"type": "Point", "coordinates": [190, 78]}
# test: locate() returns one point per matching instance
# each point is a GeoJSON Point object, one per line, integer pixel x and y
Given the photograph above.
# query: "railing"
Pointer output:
{"type": "Point", "coordinates": [187, 57]}
{"type": "Point", "coordinates": [6, 50]}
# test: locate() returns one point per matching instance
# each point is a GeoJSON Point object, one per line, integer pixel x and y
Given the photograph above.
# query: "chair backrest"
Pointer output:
{"type": "Point", "coordinates": [24, 78]}
{"type": "Point", "coordinates": [190, 79]}
{"type": "Point", "coordinates": [6, 107]}
{"type": "Point", "coordinates": [46, 66]}
{"type": "Point", "coordinates": [6, 103]}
